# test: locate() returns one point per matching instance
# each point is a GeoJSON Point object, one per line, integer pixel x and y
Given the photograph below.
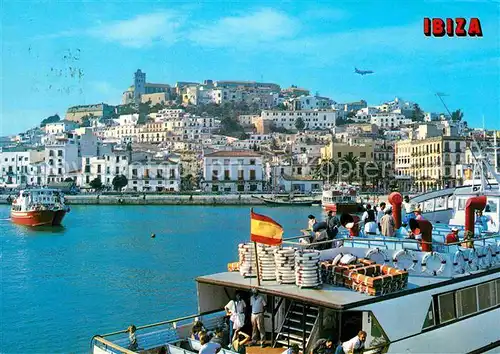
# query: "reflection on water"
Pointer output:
{"type": "Point", "coordinates": [102, 271]}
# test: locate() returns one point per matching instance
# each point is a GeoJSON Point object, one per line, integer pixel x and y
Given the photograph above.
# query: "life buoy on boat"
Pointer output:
{"type": "Point", "coordinates": [487, 259]}
{"type": "Point", "coordinates": [434, 272]}
{"type": "Point", "coordinates": [373, 251]}
{"type": "Point", "coordinates": [472, 261]}
{"type": "Point", "coordinates": [405, 253]}
{"type": "Point", "coordinates": [459, 262]}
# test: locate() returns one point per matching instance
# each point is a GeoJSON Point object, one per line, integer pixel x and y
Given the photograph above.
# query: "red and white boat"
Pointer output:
{"type": "Point", "coordinates": [340, 198]}
{"type": "Point", "coordinates": [38, 207]}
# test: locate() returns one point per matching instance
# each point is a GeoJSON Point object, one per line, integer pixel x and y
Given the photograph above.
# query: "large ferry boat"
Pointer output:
{"type": "Point", "coordinates": [340, 198]}
{"type": "Point", "coordinates": [38, 207]}
{"type": "Point", "coordinates": [409, 296]}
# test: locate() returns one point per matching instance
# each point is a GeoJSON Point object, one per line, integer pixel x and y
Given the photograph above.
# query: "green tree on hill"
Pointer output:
{"type": "Point", "coordinates": [50, 119]}
{"type": "Point", "coordinates": [457, 115]}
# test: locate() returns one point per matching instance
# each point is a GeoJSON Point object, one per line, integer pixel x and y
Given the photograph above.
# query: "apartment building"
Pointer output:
{"type": "Point", "coordinates": [313, 119]}
{"type": "Point", "coordinates": [19, 166]}
{"type": "Point", "coordinates": [431, 161]}
{"type": "Point", "coordinates": [233, 171]}
{"type": "Point", "coordinates": [389, 120]}
{"type": "Point", "coordinates": [159, 174]}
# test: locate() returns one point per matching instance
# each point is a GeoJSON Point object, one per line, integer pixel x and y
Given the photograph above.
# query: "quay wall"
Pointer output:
{"type": "Point", "coordinates": [155, 199]}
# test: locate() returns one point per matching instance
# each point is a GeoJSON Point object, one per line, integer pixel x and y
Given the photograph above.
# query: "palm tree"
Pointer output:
{"type": "Point", "coordinates": [327, 170]}
{"type": "Point", "coordinates": [348, 166]}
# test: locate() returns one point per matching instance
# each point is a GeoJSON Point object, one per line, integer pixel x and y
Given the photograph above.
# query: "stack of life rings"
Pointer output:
{"type": "Point", "coordinates": [267, 264]}
{"type": "Point", "coordinates": [284, 259]}
{"type": "Point", "coordinates": [307, 270]}
{"type": "Point", "coordinates": [247, 257]}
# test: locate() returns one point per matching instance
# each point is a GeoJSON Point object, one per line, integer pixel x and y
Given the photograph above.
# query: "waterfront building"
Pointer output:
{"type": "Point", "coordinates": [105, 167]}
{"type": "Point", "coordinates": [62, 159]}
{"type": "Point", "coordinates": [18, 166]}
{"type": "Point", "coordinates": [363, 152]}
{"type": "Point", "coordinates": [430, 160]}
{"type": "Point", "coordinates": [299, 184]}
{"type": "Point", "coordinates": [100, 110]}
{"type": "Point", "coordinates": [233, 171]}
{"type": "Point", "coordinates": [313, 119]}
{"type": "Point", "coordinates": [158, 174]}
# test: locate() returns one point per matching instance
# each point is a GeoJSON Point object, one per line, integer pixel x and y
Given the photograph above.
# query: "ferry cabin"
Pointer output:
{"type": "Point", "coordinates": [33, 197]}
{"type": "Point", "coordinates": [452, 313]}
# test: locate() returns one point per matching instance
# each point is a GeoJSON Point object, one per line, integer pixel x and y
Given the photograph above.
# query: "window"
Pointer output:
{"type": "Point", "coordinates": [486, 295]}
{"type": "Point", "coordinates": [339, 154]}
{"type": "Point", "coordinates": [98, 168]}
{"type": "Point", "coordinates": [117, 170]}
{"type": "Point", "coordinates": [466, 301]}
{"type": "Point", "coordinates": [134, 172]}
{"type": "Point", "coordinates": [362, 154]}
{"type": "Point", "coordinates": [253, 187]}
{"type": "Point", "coordinates": [252, 175]}
{"type": "Point", "coordinates": [227, 175]}
{"type": "Point", "coordinates": [241, 188]}
{"type": "Point", "coordinates": [252, 161]}
{"type": "Point", "coordinates": [429, 319]}
{"type": "Point", "coordinates": [446, 307]}
{"type": "Point", "coordinates": [241, 175]}
{"type": "Point", "coordinates": [226, 161]}
{"type": "Point", "coordinates": [215, 175]}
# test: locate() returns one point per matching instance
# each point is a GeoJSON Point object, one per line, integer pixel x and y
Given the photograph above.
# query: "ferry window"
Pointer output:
{"type": "Point", "coordinates": [498, 291]}
{"type": "Point", "coordinates": [491, 207]}
{"type": "Point", "coordinates": [461, 204]}
{"type": "Point", "coordinates": [377, 333]}
{"type": "Point", "coordinates": [446, 307]}
{"type": "Point", "coordinates": [486, 295]}
{"type": "Point", "coordinates": [466, 301]}
{"type": "Point", "coordinates": [429, 319]}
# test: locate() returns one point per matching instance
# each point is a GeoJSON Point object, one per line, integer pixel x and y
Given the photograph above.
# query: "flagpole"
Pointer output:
{"type": "Point", "coordinates": [255, 248]}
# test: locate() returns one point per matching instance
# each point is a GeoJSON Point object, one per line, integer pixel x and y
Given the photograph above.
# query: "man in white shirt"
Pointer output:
{"type": "Point", "coordinates": [354, 345]}
{"type": "Point", "coordinates": [258, 303]}
{"type": "Point", "coordinates": [235, 309]}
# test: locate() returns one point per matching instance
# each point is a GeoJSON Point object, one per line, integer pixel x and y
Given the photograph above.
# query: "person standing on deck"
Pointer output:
{"type": "Point", "coordinates": [354, 345]}
{"type": "Point", "coordinates": [323, 346]}
{"type": "Point", "coordinates": [235, 309]}
{"type": "Point", "coordinates": [482, 220]}
{"type": "Point", "coordinates": [418, 214]}
{"type": "Point", "coordinates": [380, 214]}
{"type": "Point", "coordinates": [387, 223]}
{"type": "Point", "coordinates": [369, 219]}
{"type": "Point", "coordinates": [258, 303]}
{"type": "Point", "coordinates": [409, 209]}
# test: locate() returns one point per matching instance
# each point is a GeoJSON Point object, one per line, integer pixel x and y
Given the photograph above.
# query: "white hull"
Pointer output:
{"type": "Point", "coordinates": [461, 337]}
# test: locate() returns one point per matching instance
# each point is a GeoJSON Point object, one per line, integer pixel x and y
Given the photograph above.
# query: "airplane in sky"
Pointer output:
{"type": "Point", "coordinates": [363, 72]}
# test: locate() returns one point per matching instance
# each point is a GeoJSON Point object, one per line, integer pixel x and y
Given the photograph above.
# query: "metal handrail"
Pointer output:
{"type": "Point", "coordinates": [161, 323]}
{"type": "Point", "coordinates": [112, 345]}
{"type": "Point", "coordinates": [395, 240]}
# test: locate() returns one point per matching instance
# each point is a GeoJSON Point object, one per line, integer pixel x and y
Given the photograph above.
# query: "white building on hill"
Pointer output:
{"type": "Point", "coordinates": [313, 119]}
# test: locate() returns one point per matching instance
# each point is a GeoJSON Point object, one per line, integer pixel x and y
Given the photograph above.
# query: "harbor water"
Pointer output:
{"type": "Point", "coordinates": [102, 271]}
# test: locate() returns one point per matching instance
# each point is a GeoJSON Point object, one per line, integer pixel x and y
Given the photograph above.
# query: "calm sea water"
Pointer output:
{"type": "Point", "coordinates": [102, 271]}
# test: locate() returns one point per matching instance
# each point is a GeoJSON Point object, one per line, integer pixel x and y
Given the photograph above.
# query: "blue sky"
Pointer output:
{"type": "Point", "coordinates": [55, 55]}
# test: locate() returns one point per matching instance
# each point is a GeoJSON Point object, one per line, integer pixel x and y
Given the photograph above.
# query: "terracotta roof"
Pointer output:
{"type": "Point", "coordinates": [234, 153]}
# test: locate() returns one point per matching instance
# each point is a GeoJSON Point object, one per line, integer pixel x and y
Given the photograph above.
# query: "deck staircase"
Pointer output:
{"type": "Point", "coordinates": [298, 325]}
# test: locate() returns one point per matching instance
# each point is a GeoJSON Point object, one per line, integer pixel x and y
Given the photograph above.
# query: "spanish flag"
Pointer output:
{"type": "Point", "coordinates": [265, 230]}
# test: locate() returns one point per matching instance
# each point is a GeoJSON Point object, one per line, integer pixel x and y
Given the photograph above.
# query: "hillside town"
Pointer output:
{"type": "Point", "coordinates": [242, 137]}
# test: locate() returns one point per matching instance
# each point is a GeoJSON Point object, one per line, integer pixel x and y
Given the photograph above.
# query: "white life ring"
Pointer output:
{"type": "Point", "coordinates": [459, 262]}
{"type": "Point", "coordinates": [373, 251]}
{"type": "Point", "coordinates": [397, 257]}
{"type": "Point", "coordinates": [425, 268]}
{"type": "Point", "coordinates": [472, 261]}
{"type": "Point", "coordinates": [487, 258]}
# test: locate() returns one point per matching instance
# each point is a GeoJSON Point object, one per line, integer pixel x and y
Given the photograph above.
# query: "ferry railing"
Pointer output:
{"type": "Point", "coordinates": [114, 341]}
{"type": "Point", "coordinates": [388, 243]}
